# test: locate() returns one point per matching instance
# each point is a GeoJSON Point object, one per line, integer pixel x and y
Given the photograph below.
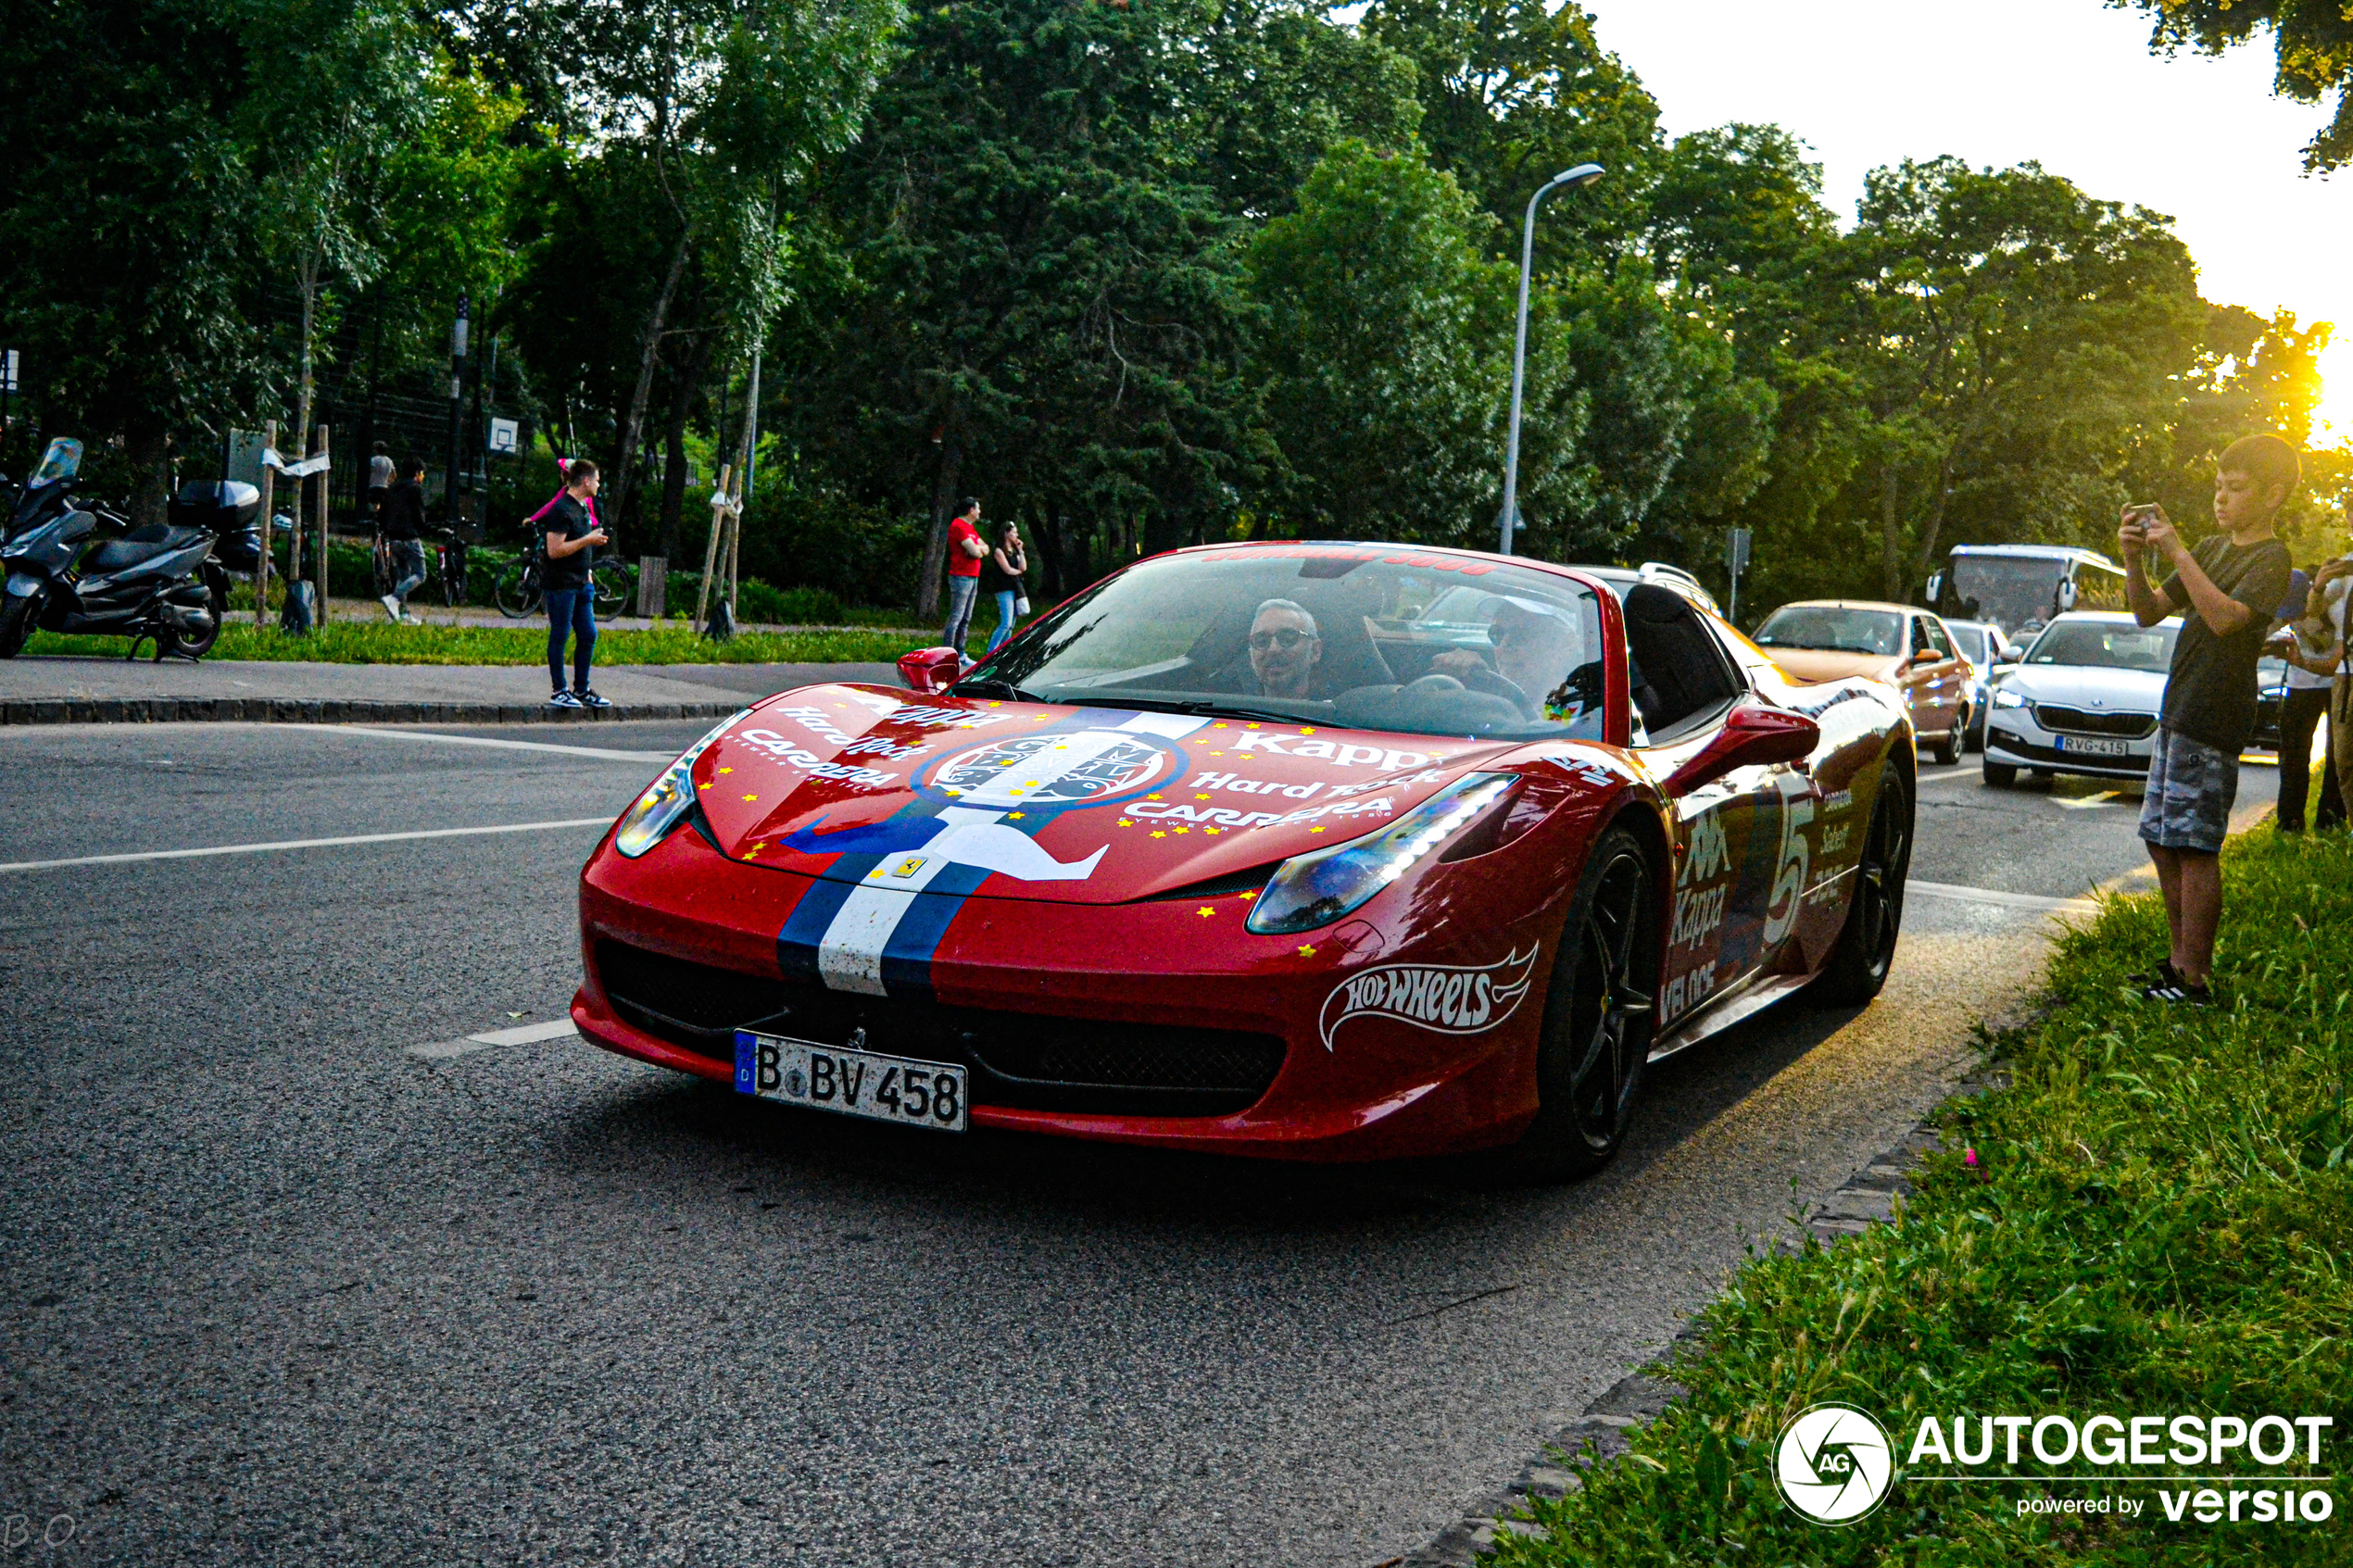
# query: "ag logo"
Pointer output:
{"type": "Point", "coordinates": [1833, 1463]}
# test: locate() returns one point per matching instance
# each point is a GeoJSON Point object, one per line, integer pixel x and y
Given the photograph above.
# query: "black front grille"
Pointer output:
{"type": "Point", "coordinates": [1019, 1060]}
{"type": "Point", "coordinates": [2080, 722]}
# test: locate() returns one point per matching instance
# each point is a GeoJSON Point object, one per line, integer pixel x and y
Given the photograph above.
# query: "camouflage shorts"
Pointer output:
{"type": "Point", "coordinates": [2190, 787]}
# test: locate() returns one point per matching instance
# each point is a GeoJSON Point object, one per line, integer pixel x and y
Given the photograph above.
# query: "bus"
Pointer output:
{"type": "Point", "coordinates": [2019, 587]}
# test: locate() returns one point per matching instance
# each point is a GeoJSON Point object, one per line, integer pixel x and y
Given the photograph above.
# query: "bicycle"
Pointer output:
{"type": "Point", "coordinates": [521, 588]}
{"type": "Point", "coordinates": [444, 567]}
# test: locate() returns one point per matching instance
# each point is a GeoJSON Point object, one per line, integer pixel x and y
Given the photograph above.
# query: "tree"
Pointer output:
{"type": "Point", "coordinates": [1385, 356]}
{"type": "Point", "coordinates": [2003, 335]}
{"type": "Point", "coordinates": [2312, 39]}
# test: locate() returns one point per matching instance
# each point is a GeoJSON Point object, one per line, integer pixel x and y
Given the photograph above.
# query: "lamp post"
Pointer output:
{"type": "Point", "coordinates": [1575, 179]}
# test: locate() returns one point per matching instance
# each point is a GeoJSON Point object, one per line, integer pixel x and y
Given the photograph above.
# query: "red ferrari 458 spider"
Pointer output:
{"type": "Point", "coordinates": [1325, 851]}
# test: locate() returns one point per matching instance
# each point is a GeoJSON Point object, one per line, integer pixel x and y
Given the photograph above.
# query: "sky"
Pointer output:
{"type": "Point", "coordinates": [2067, 82]}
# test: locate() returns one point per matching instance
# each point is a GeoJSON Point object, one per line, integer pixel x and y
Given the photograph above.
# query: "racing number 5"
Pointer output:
{"type": "Point", "coordinates": [1797, 792]}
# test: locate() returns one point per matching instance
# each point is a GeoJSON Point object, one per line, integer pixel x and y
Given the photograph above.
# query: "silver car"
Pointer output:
{"type": "Point", "coordinates": [2084, 700]}
{"type": "Point", "coordinates": [1985, 645]}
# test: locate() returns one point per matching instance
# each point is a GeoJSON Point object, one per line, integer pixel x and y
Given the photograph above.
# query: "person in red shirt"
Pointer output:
{"type": "Point", "coordinates": [965, 552]}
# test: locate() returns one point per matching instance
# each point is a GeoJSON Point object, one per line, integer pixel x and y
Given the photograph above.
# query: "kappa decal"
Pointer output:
{"type": "Point", "coordinates": [1709, 852]}
{"type": "Point", "coordinates": [1699, 913]}
{"type": "Point", "coordinates": [1444, 998]}
{"type": "Point", "coordinates": [1276, 744]}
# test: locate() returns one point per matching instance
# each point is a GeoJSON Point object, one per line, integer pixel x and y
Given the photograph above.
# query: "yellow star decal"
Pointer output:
{"type": "Point", "coordinates": [1212, 831]}
{"type": "Point", "coordinates": [726, 769]}
{"type": "Point", "coordinates": [702, 786]}
{"type": "Point", "coordinates": [1126, 823]}
{"type": "Point", "coordinates": [1151, 798]}
{"type": "Point", "coordinates": [1314, 829]}
{"type": "Point", "coordinates": [1248, 897]}
{"type": "Point", "coordinates": [1201, 798]}
{"type": "Point", "coordinates": [1217, 754]}
{"type": "Point", "coordinates": [1204, 911]}
{"type": "Point", "coordinates": [1016, 816]}
{"type": "Point", "coordinates": [1184, 830]}
{"type": "Point", "coordinates": [1307, 952]}
{"type": "Point", "coordinates": [1160, 835]}
{"type": "Point", "coordinates": [1217, 726]}
{"type": "Point", "coordinates": [1248, 756]}
{"type": "Point", "coordinates": [751, 797]}
{"type": "Point", "coordinates": [1308, 733]}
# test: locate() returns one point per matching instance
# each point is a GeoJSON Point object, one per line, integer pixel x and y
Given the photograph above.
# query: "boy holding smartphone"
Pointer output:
{"type": "Point", "coordinates": [2225, 590]}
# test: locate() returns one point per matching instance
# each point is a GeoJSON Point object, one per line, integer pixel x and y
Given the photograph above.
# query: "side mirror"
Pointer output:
{"type": "Point", "coordinates": [930, 670]}
{"type": "Point", "coordinates": [1935, 586]}
{"type": "Point", "coordinates": [1753, 737]}
{"type": "Point", "coordinates": [2009, 654]}
{"type": "Point", "coordinates": [2067, 593]}
{"type": "Point", "coordinates": [1926, 656]}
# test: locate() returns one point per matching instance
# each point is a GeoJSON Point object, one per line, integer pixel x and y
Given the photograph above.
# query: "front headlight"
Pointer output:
{"type": "Point", "coordinates": [648, 822]}
{"type": "Point", "coordinates": [1310, 890]}
{"type": "Point", "coordinates": [2008, 699]}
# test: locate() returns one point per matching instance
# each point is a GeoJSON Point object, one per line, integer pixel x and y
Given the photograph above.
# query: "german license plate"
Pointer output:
{"type": "Point", "coordinates": [851, 1083]}
{"type": "Point", "coordinates": [2083, 746]}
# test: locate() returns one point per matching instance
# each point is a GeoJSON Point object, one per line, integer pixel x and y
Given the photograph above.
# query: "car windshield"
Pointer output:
{"type": "Point", "coordinates": [1832, 629]}
{"type": "Point", "coordinates": [63, 460]}
{"type": "Point", "coordinates": [1364, 636]}
{"type": "Point", "coordinates": [2012, 591]}
{"type": "Point", "coordinates": [2105, 644]}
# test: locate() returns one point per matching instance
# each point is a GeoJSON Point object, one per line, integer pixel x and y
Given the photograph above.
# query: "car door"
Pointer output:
{"type": "Point", "coordinates": [1744, 839]}
{"type": "Point", "coordinates": [1933, 676]}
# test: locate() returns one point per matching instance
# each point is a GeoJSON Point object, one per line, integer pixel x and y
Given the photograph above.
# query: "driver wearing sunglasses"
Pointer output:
{"type": "Point", "coordinates": [1284, 649]}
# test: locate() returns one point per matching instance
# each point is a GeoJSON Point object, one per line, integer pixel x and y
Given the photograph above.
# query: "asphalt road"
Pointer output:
{"type": "Point", "coordinates": [280, 1291]}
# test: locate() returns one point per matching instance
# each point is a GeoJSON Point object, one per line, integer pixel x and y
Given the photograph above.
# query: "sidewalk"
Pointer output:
{"type": "Point", "coordinates": [437, 614]}
{"type": "Point", "coordinates": [74, 689]}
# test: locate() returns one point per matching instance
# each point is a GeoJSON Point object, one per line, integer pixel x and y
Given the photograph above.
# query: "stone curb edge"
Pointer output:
{"type": "Point", "coordinates": [333, 711]}
{"type": "Point", "coordinates": [1867, 1198]}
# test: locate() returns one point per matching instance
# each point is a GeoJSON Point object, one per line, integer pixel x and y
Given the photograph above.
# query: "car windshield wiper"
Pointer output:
{"type": "Point", "coordinates": [1162, 705]}
{"type": "Point", "coordinates": [1004, 690]}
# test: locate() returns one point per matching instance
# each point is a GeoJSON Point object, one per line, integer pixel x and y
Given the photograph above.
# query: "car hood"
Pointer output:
{"type": "Point", "coordinates": [1041, 800]}
{"type": "Point", "coordinates": [2114, 691]}
{"type": "Point", "coordinates": [1811, 666]}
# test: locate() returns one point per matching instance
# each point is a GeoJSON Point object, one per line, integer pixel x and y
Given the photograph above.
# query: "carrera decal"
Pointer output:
{"type": "Point", "coordinates": [913, 872]}
{"type": "Point", "coordinates": [1444, 998]}
{"type": "Point", "coordinates": [1156, 811]}
{"type": "Point", "coordinates": [782, 750]}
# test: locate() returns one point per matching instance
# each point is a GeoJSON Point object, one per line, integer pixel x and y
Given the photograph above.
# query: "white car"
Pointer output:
{"type": "Point", "coordinates": [2084, 700]}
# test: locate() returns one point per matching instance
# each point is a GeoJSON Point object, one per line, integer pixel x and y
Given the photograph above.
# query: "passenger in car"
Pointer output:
{"type": "Point", "coordinates": [1535, 648]}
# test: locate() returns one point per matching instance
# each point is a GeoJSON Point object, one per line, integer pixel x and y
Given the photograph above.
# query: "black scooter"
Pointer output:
{"type": "Point", "coordinates": [158, 583]}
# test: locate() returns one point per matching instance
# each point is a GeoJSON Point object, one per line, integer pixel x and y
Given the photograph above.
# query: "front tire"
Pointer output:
{"type": "Point", "coordinates": [1948, 748]}
{"type": "Point", "coordinates": [1866, 950]}
{"type": "Point", "coordinates": [2000, 775]}
{"type": "Point", "coordinates": [1600, 1012]}
{"type": "Point", "coordinates": [17, 618]}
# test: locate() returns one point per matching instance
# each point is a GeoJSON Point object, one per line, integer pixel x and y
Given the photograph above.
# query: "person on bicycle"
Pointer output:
{"type": "Point", "coordinates": [402, 521]}
{"type": "Point", "coordinates": [573, 534]}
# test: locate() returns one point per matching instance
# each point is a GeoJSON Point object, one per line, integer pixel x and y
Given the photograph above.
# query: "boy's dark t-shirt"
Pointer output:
{"type": "Point", "coordinates": [2209, 695]}
{"type": "Point", "coordinates": [404, 513]}
{"type": "Point", "coordinates": [572, 519]}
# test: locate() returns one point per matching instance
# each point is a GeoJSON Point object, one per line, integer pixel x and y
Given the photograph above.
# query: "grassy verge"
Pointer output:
{"type": "Point", "coordinates": [2159, 1224]}
{"type": "Point", "coordinates": [381, 643]}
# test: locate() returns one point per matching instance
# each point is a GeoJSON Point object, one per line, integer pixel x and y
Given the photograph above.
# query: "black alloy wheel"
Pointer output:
{"type": "Point", "coordinates": [1600, 1014]}
{"type": "Point", "coordinates": [18, 615]}
{"type": "Point", "coordinates": [1866, 950]}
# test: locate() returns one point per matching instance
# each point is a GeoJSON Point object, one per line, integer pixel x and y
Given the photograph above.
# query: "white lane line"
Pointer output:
{"type": "Point", "coordinates": [2007, 900]}
{"type": "Point", "coordinates": [526, 1035]}
{"type": "Point", "coordinates": [301, 843]}
{"type": "Point", "coordinates": [600, 753]}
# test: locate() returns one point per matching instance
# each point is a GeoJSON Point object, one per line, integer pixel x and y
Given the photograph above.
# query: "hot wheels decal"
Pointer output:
{"type": "Point", "coordinates": [1444, 998]}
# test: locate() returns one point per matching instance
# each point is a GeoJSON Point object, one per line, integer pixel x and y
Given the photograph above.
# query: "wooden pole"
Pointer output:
{"type": "Point", "coordinates": [325, 484]}
{"type": "Point", "coordinates": [301, 522]}
{"type": "Point", "coordinates": [710, 546]}
{"type": "Point", "coordinates": [268, 496]}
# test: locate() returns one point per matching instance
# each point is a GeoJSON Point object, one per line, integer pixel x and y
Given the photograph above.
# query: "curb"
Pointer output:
{"type": "Point", "coordinates": [1865, 1198]}
{"type": "Point", "coordinates": [333, 711]}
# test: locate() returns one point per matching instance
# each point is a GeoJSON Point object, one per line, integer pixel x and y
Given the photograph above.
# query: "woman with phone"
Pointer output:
{"type": "Point", "coordinates": [1001, 576]}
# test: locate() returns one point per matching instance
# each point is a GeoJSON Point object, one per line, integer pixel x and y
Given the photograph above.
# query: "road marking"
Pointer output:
{"type": "Point", "coordinates": [525, 1034]}
{"type": "Point", "coordinates": [2087, 802]}
{"type": "Point", "coordinates": [2006, 900]}
{"type": "Point", "coordinates": [301, 843]}
{"type": "Point", "coordinates": [600, 753]}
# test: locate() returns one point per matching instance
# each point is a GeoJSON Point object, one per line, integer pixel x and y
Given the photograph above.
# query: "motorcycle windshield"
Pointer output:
{"type": "Point", "coordinates": [63, 460]}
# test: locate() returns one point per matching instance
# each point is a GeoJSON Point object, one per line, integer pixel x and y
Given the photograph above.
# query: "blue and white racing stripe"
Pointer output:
{"type": "Point", "coordinates": [872, 924]}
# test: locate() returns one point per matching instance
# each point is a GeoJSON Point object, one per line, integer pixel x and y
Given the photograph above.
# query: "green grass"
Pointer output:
{"type": "Point", "coordinates": [2159, 1225]}
{"type": "Point", "coordinates": [343, 642]}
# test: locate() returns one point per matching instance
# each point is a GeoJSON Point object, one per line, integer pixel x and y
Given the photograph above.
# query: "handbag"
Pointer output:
{"type": "Point", "coordinates": [1021, 604]}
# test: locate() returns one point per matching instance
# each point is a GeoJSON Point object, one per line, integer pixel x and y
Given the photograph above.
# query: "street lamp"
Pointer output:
{"type": "Point", "coordinates": [1575, 179]}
